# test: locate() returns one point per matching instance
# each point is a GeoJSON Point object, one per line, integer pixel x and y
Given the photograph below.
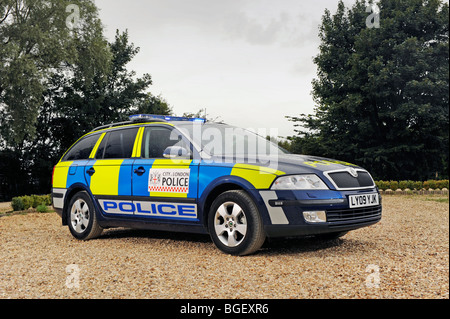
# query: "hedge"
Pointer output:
{"type": "Point", "coordinates": [32, 201]}
{"type": "Point", "coordinates": [42, 201]}
{"type": "Point", "coordinates": [430, 184]}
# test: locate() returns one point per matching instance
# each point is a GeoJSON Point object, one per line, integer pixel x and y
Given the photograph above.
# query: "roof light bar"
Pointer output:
{"type": "Point", "coordinates": [153, 117]}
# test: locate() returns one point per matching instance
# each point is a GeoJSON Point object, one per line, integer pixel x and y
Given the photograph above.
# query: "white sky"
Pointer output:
{"type": "Point", "coordinates": [248, 62]}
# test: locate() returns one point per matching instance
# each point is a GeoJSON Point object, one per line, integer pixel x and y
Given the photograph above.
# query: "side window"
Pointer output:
{"type": "Point", "coordinates": [119, 144]}
{"type": "Point", "coordinates": [156, 139]}
{"type": "Point", "coordinates": [101, 147]}
{"type": "Point", "coordinates": [82, 149]}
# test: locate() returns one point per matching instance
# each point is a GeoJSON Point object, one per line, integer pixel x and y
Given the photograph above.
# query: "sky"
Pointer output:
{"type": "Point", "coordinates": [248, 62]}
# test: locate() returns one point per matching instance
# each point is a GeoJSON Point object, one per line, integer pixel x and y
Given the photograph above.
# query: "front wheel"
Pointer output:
{"type": "Point", "coordinates": [82, 219]}
{"type": "Point", "coordinates": [235, 225]}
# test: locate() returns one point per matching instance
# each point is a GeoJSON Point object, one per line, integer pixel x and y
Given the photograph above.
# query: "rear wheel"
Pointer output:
{"type": "Point", "coordinates": [82, 219]}
{"type": "Point", "coordinates": [235, 225]}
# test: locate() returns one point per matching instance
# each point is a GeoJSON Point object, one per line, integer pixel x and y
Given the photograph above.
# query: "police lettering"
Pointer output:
{"type": "Point", "coordinates": [171, 181]}
{"type": "Point", "coordinates": [151, 209]}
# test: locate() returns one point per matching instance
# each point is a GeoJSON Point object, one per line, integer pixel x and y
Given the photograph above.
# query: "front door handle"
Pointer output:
{"type": "Point", "coordinates": [90, 171]}
{"type": "Point", "coordinates": [139, 171]}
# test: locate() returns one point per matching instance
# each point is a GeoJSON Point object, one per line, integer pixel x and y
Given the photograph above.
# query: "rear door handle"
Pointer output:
{"type": "Point", "coordinates": [90, 171]}
{"type": "Point", "coordinates": [139, 171]}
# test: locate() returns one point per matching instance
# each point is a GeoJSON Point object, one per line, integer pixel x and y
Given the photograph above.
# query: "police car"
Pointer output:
{"type": "Point", "coordinates": [189, 175]}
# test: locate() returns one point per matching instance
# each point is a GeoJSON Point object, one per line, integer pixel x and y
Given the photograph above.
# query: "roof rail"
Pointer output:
{"type": "Point", "coordinates": [110, 125]}
{"type": "Point", "coordinates": [142, 118]}
{"type": "Point", "coordinates": [163, 118]}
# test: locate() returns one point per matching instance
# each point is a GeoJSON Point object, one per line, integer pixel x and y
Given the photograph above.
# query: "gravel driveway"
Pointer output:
{"type": "Point", "coordinates": [403, 256]}
{"type": "Point", "coordinates": [6, 206]}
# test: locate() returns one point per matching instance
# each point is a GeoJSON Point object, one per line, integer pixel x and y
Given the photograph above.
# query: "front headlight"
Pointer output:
{"type": "Point", "coordinates": [307, 181]}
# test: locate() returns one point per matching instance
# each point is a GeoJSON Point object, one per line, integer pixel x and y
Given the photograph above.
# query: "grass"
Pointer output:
{"type": "Point", "coordinates": [10, 213]}
{"type": "Point", "coordinates": [24, 212]}
{"type": "Point", "coordinates": [437, 199]}
{"type": "Point", "coordinates": [427, 198]}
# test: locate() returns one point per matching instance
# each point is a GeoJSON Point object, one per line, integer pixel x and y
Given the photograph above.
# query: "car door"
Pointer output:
{"type": "Point", "coordinates": [165, 188]}
{"type": "Point", "coordinates": [69, 172]}
{"type": "Point", "coordinates": [109, 174]}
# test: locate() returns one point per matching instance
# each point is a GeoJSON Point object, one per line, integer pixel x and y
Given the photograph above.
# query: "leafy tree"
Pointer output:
{"type": "Point", "coordinates": [74, 106]}
{"type": "Point", "coordinates": [382, 93]}
{"type": "Point", "coordinates": [78, 105]}
{"type": "Point", "coordinates": [70, 81]}
{"type": "Point", "coordinates": [35, 44]}
{"type": "Point", "coordinates": [151, 104]}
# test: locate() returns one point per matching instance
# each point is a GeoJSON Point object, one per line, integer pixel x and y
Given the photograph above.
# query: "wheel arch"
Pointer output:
{"type": "Point", "coordinates": [220, 186]}
{"type": "Point", "coordinates": [71, 191]}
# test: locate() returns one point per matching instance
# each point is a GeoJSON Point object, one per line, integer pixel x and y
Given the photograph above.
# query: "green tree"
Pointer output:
{"type": "Point", "coordinates": [70, 81]}
{"type": "Point", "coordinates": [151, 104]}
{"type": "Point", "coordinates": [74, 106]}
{"type": "Point", "coordinates": [77, 105]}
{"type": "Point", "coordinates": [35, 44]}
{"type": "Point", "coordinates": [382, 93]}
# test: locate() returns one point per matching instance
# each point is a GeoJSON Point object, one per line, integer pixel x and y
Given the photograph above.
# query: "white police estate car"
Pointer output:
{"type": "Point", "coordinates": [188, 175]}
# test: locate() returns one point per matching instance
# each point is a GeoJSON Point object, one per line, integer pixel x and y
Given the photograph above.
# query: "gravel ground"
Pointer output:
{"type": "Point", "coordinates": [403, 256]}
{"type": "Point", "coordinates": [5, 207]}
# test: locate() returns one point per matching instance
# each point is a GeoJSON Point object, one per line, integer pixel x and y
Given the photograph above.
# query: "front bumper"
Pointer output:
{"type": "Point", "coordinates": [285, 212]}
{"type": "Point", "coordinates": [305, 230]}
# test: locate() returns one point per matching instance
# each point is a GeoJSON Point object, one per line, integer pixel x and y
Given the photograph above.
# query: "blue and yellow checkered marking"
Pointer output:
{"type": "Point", "coordinates": [140, 183]}
{"type": "Point", "coordinates": [115, 177]}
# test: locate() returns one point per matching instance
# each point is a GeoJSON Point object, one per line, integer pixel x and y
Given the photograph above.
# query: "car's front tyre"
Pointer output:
{"type": "Point", "coordinates": [235, 224]}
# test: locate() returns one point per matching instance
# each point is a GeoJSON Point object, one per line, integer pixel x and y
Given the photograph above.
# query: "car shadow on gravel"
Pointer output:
{"type": "Point", "coordinates": [299, 245]}
{"type": "Point", "coordinates": [118, 233]}
{"type": "Point", "coordinates": [272, 246]}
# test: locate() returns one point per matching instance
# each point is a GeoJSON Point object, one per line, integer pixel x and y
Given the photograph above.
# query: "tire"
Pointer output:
{"type": "Point", "coordinates": [81, 218]}
{"type": "Point", "coordinates": [235, 225]}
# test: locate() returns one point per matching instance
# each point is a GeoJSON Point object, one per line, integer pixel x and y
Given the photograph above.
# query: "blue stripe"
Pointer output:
{"type": "Point", "coordinates": [209, 172]}
{"type": "Point", "coordinates": [125, 178]}
{"type": "Point", "coordinates": [140, 183]}
{"type": "Point", "coordinates": [193, 179]}
{"type": "Point", "coordinates": [76, 173]}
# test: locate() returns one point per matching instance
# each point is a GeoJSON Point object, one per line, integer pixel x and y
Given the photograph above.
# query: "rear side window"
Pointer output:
{"type": "Point", "coordinates": [82, 149]}
{"type": "Point", "coordinates": [101, 147]}
{"type": "Point", "coordinates": [119, 144]}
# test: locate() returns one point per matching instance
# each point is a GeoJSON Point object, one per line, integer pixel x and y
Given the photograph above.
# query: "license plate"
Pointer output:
{"type": "Point", "coordinates": [363, 200]}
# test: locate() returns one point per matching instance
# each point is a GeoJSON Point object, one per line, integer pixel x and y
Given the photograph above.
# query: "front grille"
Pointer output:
{"type": "Point", "coordinates": [348, 217]}
{"type": "Point", "coordinates": [344, 179]}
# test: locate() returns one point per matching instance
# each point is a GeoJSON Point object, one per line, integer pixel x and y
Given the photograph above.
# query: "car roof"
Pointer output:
{"type": "Point", "coordinates": [142, 119]}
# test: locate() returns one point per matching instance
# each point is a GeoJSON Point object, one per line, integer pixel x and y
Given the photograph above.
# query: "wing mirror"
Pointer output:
{"type": "Point", "coordinates": [176, 152]}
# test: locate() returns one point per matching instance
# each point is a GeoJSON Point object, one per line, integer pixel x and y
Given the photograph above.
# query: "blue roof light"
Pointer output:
{"type": "Point", "coordinates": [152, 117]}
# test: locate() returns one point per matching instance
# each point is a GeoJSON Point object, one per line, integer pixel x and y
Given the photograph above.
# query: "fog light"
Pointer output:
{"type": "Point", "coordinates": [315, 217]}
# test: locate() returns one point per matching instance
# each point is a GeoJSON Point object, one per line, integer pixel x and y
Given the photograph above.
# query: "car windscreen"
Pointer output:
{"type": "Point", "coordinates": [225, 140]}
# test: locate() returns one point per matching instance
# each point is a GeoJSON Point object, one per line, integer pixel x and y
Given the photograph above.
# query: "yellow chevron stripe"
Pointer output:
{"type": "Point", "coordinates": [94, 150]}
{"type": "Point", "coordinates": [138, 143]}
{"type": "Point", "coordinates": [259, 176]}
{"type": "Point", "coordinates": [105, 181]}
